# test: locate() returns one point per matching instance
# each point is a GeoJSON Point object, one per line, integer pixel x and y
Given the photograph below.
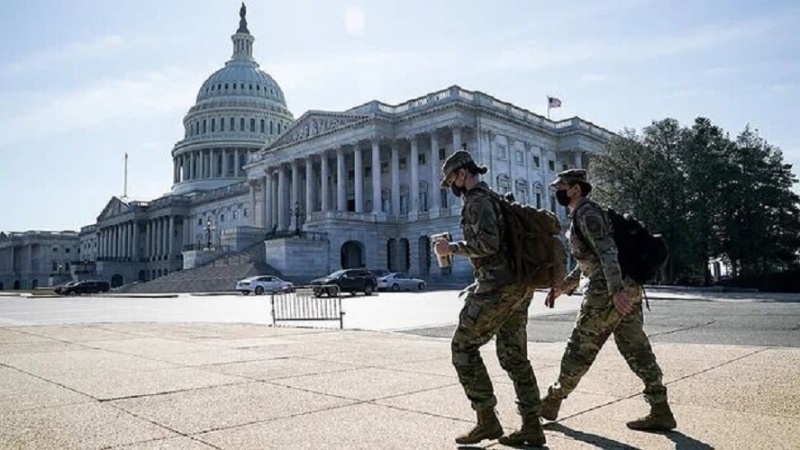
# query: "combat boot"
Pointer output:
{"type": "Point", "coordinates": [550, 407]}
{"type": "Point", "coordinates": [531, 433]}
{"type": "Point", "coordinates": [488, 427]}
{"type": "Point", "coordinates": [659, 419]}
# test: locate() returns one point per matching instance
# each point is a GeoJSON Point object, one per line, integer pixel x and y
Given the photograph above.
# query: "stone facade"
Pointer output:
{"type": "Point", "coordinates": [369, 177]}
{"type": "Point", "coordinates": [34, 259]}
{"type": "Point", "coordinates": [329, 190]}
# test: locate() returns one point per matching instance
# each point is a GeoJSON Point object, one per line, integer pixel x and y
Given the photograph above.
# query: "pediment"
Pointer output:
{"type": "Point", "coordinates": [113, 208]}
{"type": "Point", "coordinates": [315, 123]}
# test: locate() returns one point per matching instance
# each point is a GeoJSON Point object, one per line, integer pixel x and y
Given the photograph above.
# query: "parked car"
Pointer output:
{"type": "Point", "coordinates": [60, 288]}
{"type": "Point", "coordinates": [399, 281]}
{"type": "Point", "coordinates": [86, 287]}
{"type": "Point", "coordinates": [263, 283]}
{"type": "Point", "coordinates": [347, 280]}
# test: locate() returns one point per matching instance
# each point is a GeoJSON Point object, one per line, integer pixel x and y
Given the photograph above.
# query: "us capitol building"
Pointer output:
{"type": "Point", "coordinates": [328, 190]}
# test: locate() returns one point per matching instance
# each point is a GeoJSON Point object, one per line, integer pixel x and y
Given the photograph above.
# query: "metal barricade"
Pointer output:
{"type": "Point", "coordinates": [307, 303]}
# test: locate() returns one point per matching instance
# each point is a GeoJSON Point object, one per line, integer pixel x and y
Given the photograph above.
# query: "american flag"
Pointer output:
{"type": "Point", "coordinates": [553, 102]}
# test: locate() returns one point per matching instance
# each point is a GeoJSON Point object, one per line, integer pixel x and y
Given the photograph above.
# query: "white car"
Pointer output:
{"type": "Point", "coordinates": [263, 283]}
{"type": "Point", "coordinates": [399, 281]}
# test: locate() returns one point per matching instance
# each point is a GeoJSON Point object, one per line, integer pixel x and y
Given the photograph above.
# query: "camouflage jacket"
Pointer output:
{"type": "Point", "coordinates": [482, 226]}
{"type": "Point", "coordinates": [593, 248]}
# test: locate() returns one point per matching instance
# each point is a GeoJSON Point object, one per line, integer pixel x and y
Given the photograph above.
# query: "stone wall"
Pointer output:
{"type": "Point", "coordinates": [299, 260]}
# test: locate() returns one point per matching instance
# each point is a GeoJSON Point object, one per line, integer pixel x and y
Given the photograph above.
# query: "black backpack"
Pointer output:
{"type": "Point", "coordinates": [641, 255]}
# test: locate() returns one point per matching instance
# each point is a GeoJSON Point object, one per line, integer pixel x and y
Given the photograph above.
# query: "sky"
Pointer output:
{"type": "Point", "coordinates": [83, 82]}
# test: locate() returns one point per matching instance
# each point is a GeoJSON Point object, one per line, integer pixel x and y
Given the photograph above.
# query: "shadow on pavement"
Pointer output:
{"type": "Point", "coordinates": [682, 441]}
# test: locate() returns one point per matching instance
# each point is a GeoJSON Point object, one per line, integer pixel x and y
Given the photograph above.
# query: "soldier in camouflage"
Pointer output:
{"type": "Point", "coordinates": [611, 304]}
{"type": "Point", "coordinates": [495, 305]}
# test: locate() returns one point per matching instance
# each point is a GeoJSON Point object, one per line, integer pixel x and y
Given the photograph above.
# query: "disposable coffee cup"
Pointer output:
{"type": "Point", "coordinates": [443, 261]}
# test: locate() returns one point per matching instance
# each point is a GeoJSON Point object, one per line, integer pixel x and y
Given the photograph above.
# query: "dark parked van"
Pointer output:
{"type": "Point", "coordinates": [86, 287]}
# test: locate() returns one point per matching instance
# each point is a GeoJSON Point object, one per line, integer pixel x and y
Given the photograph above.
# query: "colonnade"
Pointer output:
{"type": "Point", "coordinates": [121, 241]}
{"type": "Point", "coordinates": [208, 163]}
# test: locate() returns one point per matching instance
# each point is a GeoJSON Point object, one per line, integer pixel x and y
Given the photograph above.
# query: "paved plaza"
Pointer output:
{"type": "Point", "coordinates": [162, 380]}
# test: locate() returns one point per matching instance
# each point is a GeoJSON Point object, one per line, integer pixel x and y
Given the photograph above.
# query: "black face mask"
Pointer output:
{"type": "Point", "coordinates": [458, 191]}
{"type": "Point", "coordinates": [562, 198]}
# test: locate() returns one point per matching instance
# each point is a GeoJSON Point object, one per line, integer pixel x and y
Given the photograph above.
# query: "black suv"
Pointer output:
{"type": "Point", "coordinates": [348, 280]}
{"type": "Point", "coordinates": [85, 287]}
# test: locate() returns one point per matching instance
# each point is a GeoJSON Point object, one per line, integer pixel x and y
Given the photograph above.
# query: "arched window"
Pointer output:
{"type": "Point", "coordinates": [252, 125]}
{"type": "Point", "coordinates": [262, 125]}
{"type": "Point", "coordinates": [221, 124]}
{"type": "Point", "coordinates": [521, 191]}
{"type": "Point", "coordinates": [503, 183]}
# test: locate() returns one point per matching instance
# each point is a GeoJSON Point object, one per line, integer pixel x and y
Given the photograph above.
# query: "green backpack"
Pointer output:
{"type": "Point", "coordinates": [537, 256]}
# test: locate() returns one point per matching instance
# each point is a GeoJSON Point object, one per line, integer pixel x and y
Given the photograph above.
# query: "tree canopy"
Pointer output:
{"type": "Point", "coordinates": [710, 196]}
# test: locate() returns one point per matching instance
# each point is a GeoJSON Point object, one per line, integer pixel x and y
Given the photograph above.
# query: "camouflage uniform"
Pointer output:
{"type": "Point", "coordinates": [494, 303]}
{"type": "Point", "coordinates": [595, 251]}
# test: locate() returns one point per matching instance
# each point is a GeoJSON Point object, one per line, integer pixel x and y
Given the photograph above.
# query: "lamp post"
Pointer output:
{"type": "Point", "coordinates": [296, 212]}
{"type": "Point", "coordinates": [209, 228]}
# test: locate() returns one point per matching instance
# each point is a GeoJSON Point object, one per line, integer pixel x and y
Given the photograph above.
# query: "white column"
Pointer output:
{"type": "Point", "coordinates": [295, 193]}
{"type": "Point", "coordinates": [414, 200]}
{"type": "Point", "coordinates": [395, 169]}
{"type": "Point", "coordinates": [309, 187]}
{"type": "Point", "coordinates": [577, 160]}
{"type": "Point", "coordinates": [171, 238]}
{"type": "Point", "coordinates": [268, 200]}
{"type": "Point", "coordinates": [324, 182]}
{"type": "Point", "coordinates": [376, 177]}
{"type": "Point", "coordinates": [281, 198]}
{"type": "Point", "coordinates": [359, 178]}
{"type": "Point", "coordinates": [135, 242]}
{"type": "Point", "coordinates": [436, 173]}
{"type": "Point", "coordinates": [456, 138]}
{"type": "Point", "coordinates": [157, 238]}
{"type": "Point", "coordinates": [341, 181]}
{"type": "Point", "coordinates": [125, 241]}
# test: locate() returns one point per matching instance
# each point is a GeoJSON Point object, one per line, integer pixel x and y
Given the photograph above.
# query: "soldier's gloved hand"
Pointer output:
{"type": "Point", "coordinates": [550, 300]}
{"type": "Point", "coordinates": [622, 303]}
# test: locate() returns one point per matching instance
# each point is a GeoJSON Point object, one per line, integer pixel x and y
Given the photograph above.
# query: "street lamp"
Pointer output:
{"type": "Point", "coordinates": [296, 212]}
{"type": "Point", "coordinates": [209, 228]}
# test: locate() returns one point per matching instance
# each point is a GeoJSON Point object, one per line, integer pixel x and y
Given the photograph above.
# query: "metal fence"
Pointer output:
{"type": "Point", "coordinates": [320, 303]}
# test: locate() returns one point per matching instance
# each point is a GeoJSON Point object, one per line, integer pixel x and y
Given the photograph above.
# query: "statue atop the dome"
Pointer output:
{"type": "Point", "coordinates": [243, 20]}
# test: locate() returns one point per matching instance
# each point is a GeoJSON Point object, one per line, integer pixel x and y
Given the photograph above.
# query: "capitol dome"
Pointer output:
{"type": "Point", "coordinates": [239, 110]}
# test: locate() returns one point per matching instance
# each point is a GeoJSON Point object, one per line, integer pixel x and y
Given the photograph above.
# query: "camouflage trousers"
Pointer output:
{"type": "Point", "coordinates": [503, 313]}
{"type": "Point", "coordinates": [596, 321]}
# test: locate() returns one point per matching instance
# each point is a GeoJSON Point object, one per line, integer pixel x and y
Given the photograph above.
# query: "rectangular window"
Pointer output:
{"type": "Point", "coordinates": [245, 212]}
{"type": "Point", "coordinates": [551, 165]}
{"type": "Point", "coordinates": [501, 152]}
{"type": "Point", "coordinates": [442, 154]}
{"type": "Point", "coordinates": [538, 201]}
{"type": "Point", "coordinates": [367, 172]}
{"type": "Point", "coordinates": [421, 159]}
{"type": "Point", "coordinates": [443, 196]}
{"type": "Point", "coordinates": [384, 167]}
{"type": "Point", "coordinates": [520, 157]}
{"type": "Point", "coordinates": [563, 167]}
{"type": "Point", "coordinates": [536, 161]}
{"type": "Point", "coordinates": [235, 215]}
{"type": "Point", "coordinates": [351, 175]}
{"type": "Point", "coordinates": [553, 203]}
{"type": "Point", "coordinates": [402, 163]}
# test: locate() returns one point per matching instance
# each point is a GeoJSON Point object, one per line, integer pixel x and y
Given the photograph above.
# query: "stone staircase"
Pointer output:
{"type": "Point", "coordinates": [217, 275]}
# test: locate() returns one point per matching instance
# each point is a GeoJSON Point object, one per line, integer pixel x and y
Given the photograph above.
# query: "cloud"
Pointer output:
{"type": "Point", "coordinates": [143, 95]}
{"type": "Point", "coordinates": [354, 20]}
{"type": "Point", "coordinates": [71, 52]}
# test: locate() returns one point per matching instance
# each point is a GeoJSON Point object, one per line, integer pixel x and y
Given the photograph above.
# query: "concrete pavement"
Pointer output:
{"type": "Point", "coordinates": [140, 386]}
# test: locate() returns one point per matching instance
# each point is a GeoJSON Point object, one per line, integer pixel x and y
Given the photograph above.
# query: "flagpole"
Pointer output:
{"type": "Point", "coordinates": [125, 191]}
{"type": "Point", "coordinates": [548, 107]}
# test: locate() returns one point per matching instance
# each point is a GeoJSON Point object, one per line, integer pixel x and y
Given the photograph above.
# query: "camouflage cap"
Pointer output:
{"type": "Point", "coordinates": [454, 162]}
{"type": "Point", "coordinates": [570, 177]}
